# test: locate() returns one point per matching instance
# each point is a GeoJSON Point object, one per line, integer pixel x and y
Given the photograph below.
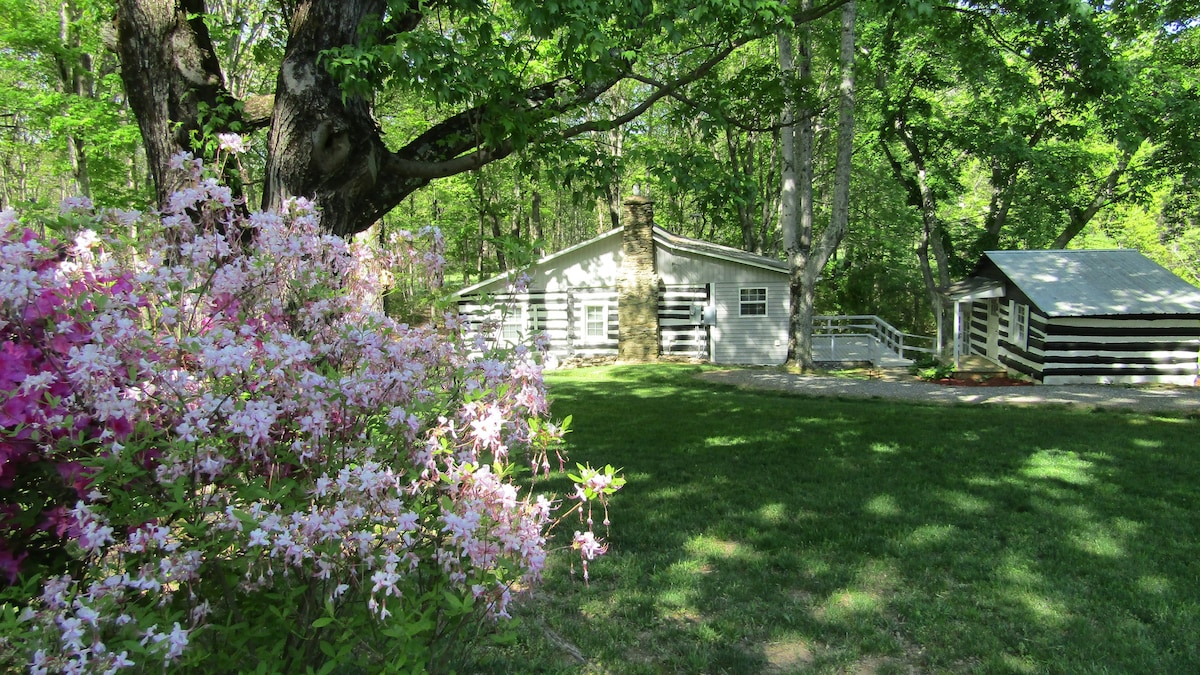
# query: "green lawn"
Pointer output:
{"type": "Point", "coordinates": [761, 532]}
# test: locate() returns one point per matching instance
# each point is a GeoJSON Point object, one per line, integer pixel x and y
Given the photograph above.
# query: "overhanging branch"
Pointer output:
{"type": "Point", "coordinates": [663, 90]}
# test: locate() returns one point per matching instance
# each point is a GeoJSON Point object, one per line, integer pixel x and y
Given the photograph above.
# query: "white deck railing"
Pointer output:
{"type": "Point", "coordinates": [847, 337]}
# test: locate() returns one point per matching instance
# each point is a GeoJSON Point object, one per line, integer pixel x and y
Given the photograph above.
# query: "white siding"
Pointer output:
{"type": "Point", "coordinates": [1101, 350]}
{"type": "Point", "coordinates": [759, 340]}
{"type": "Point", "coordinates": [562, 285]}
{"type": "Point", "coordinates": [680, 334]}
{"type": "Point", "coordinates": [685, 267]}
{"type": "Point", "coordinates": [593, 264]}
{"type": "Point", "coordinates": [1120, 351]}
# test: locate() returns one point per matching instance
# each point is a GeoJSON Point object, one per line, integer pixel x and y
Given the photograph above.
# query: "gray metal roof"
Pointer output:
{"type": "Point", "coordinates": [974, 288]}
{"type": "Point", "coordinates": [1095, 282]}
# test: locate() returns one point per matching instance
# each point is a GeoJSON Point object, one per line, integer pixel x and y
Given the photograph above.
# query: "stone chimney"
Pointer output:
{"type": "Point", "coordinates": [637, 286]}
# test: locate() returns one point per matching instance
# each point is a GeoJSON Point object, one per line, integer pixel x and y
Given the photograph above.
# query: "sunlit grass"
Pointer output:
{"type": "Point", "coordinates": [761, 532]}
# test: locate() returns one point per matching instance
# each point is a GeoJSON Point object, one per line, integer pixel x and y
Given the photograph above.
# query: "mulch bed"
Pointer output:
{"type": "Point", "coordinates": [998, 381]}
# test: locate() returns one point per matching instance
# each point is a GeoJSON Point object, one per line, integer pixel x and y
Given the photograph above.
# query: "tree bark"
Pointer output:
{"type": "Point", "coordinates": [931, 239]}
{"type": "Point", "coordinates": [741, 161]}
{"type": "Point", "coordinates": [1003, 184]}
{"type": "Point", "coordinates": [535, 222]}
{"type": "Point", "coordinates": [171, 75]}
{"type": "Point", "coordinates": [806, 260]}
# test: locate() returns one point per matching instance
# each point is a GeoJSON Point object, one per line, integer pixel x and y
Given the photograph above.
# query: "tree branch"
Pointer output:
{"type": "Point", "coordinates": [663, 90]}
{"type": "Point", "coordinates": [814, 13]}
{"type": "Point", "coordinates": [438, 152]}
{"type": "Point", "coordinates": [1079, 218]}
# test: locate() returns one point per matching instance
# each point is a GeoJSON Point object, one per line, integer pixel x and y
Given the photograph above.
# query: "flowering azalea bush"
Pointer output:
{"type": "Point", "coordinates": [221, 456]}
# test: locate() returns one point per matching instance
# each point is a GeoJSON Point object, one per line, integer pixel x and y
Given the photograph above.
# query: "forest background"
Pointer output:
{"type": "Point", "coordinates": [976, 125]}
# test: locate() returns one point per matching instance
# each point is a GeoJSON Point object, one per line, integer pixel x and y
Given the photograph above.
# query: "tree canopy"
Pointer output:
{"type": "Point", "coordinates": [522, 123]}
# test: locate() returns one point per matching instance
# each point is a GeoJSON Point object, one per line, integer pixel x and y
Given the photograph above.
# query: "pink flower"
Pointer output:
{"type": "Point", "coordinates": [263, 392]}
{"type": "Point", "coordinates": [74, 204]}
{"type": "Point", "coordinates": [10, 564]}
{"type": "Point", "coordinates": [588, 546]}
{"type": "Point", "coordinates": [231, 143]}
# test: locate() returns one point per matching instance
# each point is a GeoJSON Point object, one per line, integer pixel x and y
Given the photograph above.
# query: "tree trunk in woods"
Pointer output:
{"type": "Point", "coordinates": [770, 209]}
{"type": "Point", "coordinates": [1003, 183]}
{"type": "Point", "coordinates": [497, 236]}
{"type": "Point", "coordinates": [75, 75]}
{"type": "Point", "coordinates": [535, 222]}
{"type": "Point", "coordinates": [931, 240]}
{"type": "Point", "coordinates": [741, 161]}
{"type": "Point", "coordinates": [806, 260]}
{"type": "Point", "coordinates": [921, 195]}
{"type": "Point", "coordinates": [170, 72]}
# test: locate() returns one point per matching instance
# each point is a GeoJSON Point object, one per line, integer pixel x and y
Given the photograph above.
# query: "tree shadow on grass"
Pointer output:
{"type": "Point", "coordinates": [763, 532]}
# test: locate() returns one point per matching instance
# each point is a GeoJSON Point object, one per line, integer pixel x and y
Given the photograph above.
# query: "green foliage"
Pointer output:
{"type": "Point", "coordinates": [63, 127]}
{"type": "Point", "coordinates": [931, 369]}
{"type": "Point", "coordinates": [1032, 103]}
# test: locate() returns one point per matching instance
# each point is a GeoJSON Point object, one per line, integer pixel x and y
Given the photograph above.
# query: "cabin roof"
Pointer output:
{"type": "Point", "coordinates": [661, 238]}
{"type": "Point", "coordinates": [1064, 283]}
{"type": "Point", "coordinates": [706, 248]}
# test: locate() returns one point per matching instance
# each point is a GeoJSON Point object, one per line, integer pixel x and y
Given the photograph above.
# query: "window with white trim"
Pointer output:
{"type": "Point", "coordinates": [537, 318]}
{"type": "Point", "coordinates": [1020, 331]}
{"type": "Point", "coordinates": [595, 323]}
{"type": "Point", "coordinates": [752, 302]}
{"type": "Point", "coordinates": [511, 329]}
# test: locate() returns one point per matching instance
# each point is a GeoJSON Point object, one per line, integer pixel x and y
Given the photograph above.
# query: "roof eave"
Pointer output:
{"type": "Point", "coordinates": [668, 240]}
{"type": "Point", "coordinates": [547, 259]}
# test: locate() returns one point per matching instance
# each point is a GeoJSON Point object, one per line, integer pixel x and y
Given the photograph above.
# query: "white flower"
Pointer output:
{"type": "Point", "coordinates": [231, 143]}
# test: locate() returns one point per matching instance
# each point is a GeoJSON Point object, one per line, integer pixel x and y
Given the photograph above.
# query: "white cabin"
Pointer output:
{"type": "Point", "coordinates": [1083, 316]}
{"type": "Point", "coordinates": [714, 303]}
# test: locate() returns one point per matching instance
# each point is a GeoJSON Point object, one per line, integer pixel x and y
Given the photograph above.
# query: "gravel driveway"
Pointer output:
{"type": "Point", "coordinates": [1154, 398]}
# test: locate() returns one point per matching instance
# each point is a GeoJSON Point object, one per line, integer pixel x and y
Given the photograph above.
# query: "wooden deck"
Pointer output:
{"type": "Point", "coordinates": [855, 348]}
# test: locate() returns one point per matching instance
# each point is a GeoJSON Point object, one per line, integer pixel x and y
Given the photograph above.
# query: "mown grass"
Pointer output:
{"type": "Point", "coordinates": [761, 532]}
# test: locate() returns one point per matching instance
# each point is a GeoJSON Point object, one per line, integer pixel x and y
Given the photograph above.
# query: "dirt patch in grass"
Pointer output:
{"type": "Point", "coordinates": [788, 656]}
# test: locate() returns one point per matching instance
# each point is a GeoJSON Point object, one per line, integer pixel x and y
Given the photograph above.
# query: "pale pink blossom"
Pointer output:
{"type": "Point", "coordinates": [231, 143]}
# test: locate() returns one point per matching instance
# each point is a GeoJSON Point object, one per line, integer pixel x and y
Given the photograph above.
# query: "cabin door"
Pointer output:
{"type": "Point", "coordinates": [993, 329]}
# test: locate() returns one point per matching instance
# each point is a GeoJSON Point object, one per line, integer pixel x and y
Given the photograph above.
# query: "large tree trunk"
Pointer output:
{"type": "Point", "coordinates": [170, 73]}
{"type": "Point", "coordinates": [806, 260]}
{"type": "Point", "coordinates": [322, 145]}
{"type": "Point", "coordinates": [796, 193]}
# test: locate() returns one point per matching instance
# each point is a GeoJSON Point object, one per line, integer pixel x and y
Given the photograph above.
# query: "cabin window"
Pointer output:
{"type": "Point", "coordinates": [510, 332]}
{"type": "Point", "coordinates": [753, 302]}
{"type": "Point", "coordinates": [537, 318]}
{"type": "Point", "coordinates": [595, 323]}
{"type": "Point", "coordinates": [1020, 332]}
